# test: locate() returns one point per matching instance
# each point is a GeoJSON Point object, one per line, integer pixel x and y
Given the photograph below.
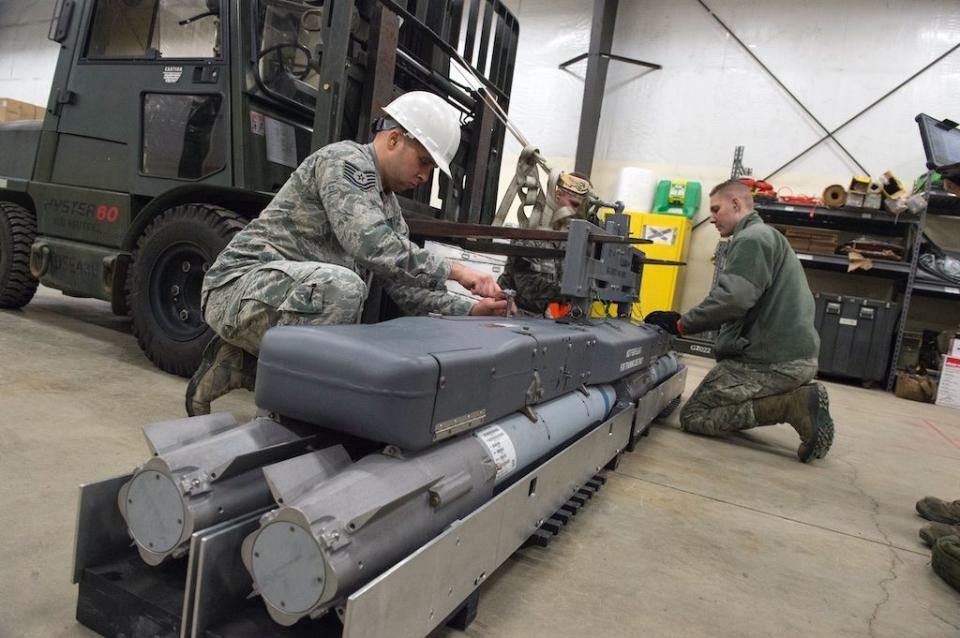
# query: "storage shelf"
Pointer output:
{"type": "Point", "coordinates": [798, 211]}
{"type": "Point", "coordinates": [843, 261]}
{"type": "Point", "coordinates": [928, 285]}
{"type": "Point", "coordinates": [940, 203]}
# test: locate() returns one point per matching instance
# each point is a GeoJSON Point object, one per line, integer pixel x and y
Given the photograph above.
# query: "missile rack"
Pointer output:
{"type": "Point", "coordinates": [120, 595]}
{"type": "Point", "coordinates": [206, 593]}
{"type": "Point", "coordinates": [559, 519]}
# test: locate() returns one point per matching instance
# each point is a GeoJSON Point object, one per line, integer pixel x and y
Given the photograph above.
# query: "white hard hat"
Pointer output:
{"type": "Point", "coordinates": [431, 121]}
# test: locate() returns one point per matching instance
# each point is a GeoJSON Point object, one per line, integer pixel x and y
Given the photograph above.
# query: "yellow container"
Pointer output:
{"type": "Point", "coordinates": [660, 285]}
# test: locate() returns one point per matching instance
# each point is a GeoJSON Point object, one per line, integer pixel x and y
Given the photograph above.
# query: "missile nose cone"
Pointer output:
{"type": "Point", "coordinates": [154, 512]}
{"type": "Point", "coordinates": [288, 567]}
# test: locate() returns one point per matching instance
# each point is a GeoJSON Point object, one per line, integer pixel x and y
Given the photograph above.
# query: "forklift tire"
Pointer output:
{"type": "Point", "coordinates": [163, 286]}
{"type": "Point", "coordinates": [18, 229]}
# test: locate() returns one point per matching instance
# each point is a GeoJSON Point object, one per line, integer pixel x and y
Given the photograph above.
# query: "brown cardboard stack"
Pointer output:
{"type": "Point", "coordinates": [811, 240]}
{"type": "Point", "coordinates": [12, 110]}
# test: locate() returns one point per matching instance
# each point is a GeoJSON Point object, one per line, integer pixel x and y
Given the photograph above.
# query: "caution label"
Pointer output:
{"type": "Point", "coordinates": [948, 391]}
{"type": "Point", "coordinates": [501, 449]}
{"type": "Point", "coordinates": [660, 234]}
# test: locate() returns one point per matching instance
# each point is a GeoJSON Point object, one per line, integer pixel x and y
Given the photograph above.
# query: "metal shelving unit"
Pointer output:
{"type": "Point", "coordinates": [924, 284]}
{"type": "Point", "coordinates": [815, 213]}
{"type": "Point", "coordinates": [829, 261]}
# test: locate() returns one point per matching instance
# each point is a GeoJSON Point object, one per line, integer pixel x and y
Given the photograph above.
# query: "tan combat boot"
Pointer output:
{"type": "Point", "coordinates": [938, 510]}
{"type": "Point", "coordinates": [224, 367]}
{"type": "Point", "coordinates": [807, 409]}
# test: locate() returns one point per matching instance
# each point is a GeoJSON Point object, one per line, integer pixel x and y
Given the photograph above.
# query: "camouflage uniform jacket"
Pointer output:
{"type": "Point", "coordinates": [333, 209]}
{"type": "Point", "coordinates": [761, 303]}
{"type": "Point", "coordinates": [535, 280]}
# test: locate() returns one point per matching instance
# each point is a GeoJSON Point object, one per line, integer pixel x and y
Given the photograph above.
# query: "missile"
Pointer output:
{"type": "Point", "coordinates": [205, 470]}
{"type": "Point", "coordinates": [332, 534]}
{"type": "Point", "coordinates": [636, 385]}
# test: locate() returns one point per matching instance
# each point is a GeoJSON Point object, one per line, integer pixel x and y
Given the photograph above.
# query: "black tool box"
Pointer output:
{"type": "Point", "coordinates": [856, 335]}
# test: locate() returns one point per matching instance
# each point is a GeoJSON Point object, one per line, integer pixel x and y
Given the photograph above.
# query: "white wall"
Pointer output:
{"type": "Point", "coordinates": [27, 57]}
{"type": "Point", "coordinates": [836, 57]}
{"type": "Point", "coordinates": [711, 96]}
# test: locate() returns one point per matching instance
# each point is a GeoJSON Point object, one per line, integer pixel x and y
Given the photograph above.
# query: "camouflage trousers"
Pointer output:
{"type": "Point", "coordinates": [283, 293]}
{"type": "Point", "coordinates": [723, 402]}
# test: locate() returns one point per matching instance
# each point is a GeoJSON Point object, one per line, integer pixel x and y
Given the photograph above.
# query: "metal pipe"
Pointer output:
{"type": "Point", "coordinates": [601, 39]}
{"type": "Point", "coordinates": [439, 42]}
{"type": "Point", "coordinates": [448, 86]}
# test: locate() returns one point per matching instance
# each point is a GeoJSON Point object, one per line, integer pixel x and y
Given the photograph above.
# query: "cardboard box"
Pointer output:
{"type": "Point", "coordinates": [954, 349]}
{"type": "Point", "coordinates": [859, 184]}
{"type": "Point", "coordinates": [12, 110]}
{"type": "Point", "coordinates": [855, 199]}
{"type": "Point", "coordinates": [872, 200]}
{"type": "Point", "coordinates": [948, 391]}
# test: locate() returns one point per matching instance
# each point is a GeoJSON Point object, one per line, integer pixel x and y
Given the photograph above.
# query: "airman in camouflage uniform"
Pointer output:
{"type": "Point", "coordinates": [767, 347]}
{"type": "Point", "coordinates": [310, 256]}
{"type": "Point", "coordinates": [302, 263]}
{"type": "Point", "coordinates": [536, 280]}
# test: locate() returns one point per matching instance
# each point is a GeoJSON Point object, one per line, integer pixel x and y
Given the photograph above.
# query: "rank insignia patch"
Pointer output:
{"type": "Point", "coordinates": [364, 180]}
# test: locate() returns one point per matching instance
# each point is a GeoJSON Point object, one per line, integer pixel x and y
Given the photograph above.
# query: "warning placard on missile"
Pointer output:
{"type": "Point", "coordinates": [501, 449]}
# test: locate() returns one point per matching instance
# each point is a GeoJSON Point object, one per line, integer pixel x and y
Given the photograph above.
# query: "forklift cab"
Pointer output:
{"type": "Point", "coordinates": [150, 97]}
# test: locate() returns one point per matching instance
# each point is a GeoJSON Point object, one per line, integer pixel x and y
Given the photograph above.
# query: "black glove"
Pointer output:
{"type": "Point", "coordinates": [666, 319]}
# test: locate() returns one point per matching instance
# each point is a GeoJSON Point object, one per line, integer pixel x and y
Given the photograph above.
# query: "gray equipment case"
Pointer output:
{"type": "Point", "coordinates": [855, 335]}
{"type": "Point", "coordinates": [411, 383]}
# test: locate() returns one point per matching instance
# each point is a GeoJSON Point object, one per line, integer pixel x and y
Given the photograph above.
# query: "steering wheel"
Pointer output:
{"type": "Point", "coordinates": [299, 71]}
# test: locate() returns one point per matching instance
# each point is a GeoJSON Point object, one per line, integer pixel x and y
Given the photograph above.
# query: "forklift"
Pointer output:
{"type": "Point", "coordinates": [171, 124]}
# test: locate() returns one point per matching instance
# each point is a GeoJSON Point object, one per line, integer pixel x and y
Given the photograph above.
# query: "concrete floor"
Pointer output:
{"type": "Point", "coordinates": [691, 536]}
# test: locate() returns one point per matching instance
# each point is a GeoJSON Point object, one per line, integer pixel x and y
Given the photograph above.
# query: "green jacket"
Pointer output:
{"type": "Point", "coordinates": [761, 303]}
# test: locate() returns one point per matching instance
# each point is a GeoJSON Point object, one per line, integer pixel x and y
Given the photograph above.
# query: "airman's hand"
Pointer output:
{"type": "Point", "coordinates": [478, 282]}
{"type": "Point", "coordinates": [666, 319]}
{"type": "Point", "coordinates": [493, 307]}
